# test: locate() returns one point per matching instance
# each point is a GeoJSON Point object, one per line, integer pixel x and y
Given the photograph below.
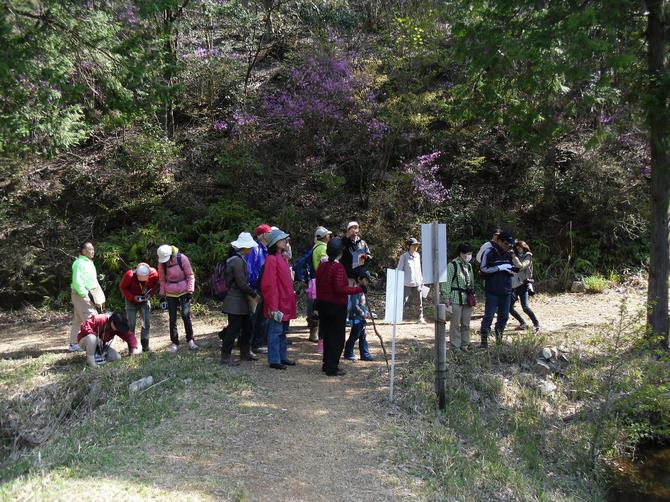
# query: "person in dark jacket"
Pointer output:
{"type": "Point", "coordinates": [239, 301]}
{"type": "Point", "coordinates": [332, 291]}
{"type": "Point", "coordinates": [497, 268]}
{"type": "Point", "coordinates": [353, 245]}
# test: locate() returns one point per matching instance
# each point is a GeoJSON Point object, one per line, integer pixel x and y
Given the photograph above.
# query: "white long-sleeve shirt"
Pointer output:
{"type": "Point", "coordinates": [411, 265]}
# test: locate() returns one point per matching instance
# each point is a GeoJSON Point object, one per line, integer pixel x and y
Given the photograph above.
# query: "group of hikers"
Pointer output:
{"type": "Point", "coordinates": [256, 288]}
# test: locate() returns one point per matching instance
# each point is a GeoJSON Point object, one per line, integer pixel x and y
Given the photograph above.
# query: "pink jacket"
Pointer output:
{"type": "Point", "coordinates": [176, 282]}
{"type": "Point", "coordinates": [277, 288]}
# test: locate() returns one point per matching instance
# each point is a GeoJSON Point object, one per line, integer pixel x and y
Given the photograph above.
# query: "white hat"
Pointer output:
{"type": "Point", "coordinates": [274, 228]}
{"type": "Point", "coordinates": [352, 224]}
{"type": "Point", "coordinates": [321, 232]}
{"type": "Point", "coordinates": [244, 240]}
{"type": "Point", "coordinates": [164, 253]}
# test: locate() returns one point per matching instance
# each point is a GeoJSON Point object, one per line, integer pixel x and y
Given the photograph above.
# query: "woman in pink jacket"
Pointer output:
{"type": "Point", "coordinates": [279, 301]}
{"type": "Point", "coordinates": [177, 284]}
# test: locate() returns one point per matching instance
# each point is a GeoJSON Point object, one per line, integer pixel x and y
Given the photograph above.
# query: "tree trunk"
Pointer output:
{"type": "Point", "coordinates": [659, 138]}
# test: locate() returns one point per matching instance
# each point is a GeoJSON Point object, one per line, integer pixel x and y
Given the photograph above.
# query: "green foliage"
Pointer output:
{"type": "Point", "coordinates": [596, 283]}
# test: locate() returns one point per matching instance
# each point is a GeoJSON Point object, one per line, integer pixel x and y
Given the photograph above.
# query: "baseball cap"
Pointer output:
{"type": "Point", "coordinates": [321, 232]}
{"type": "Point", "coordinates": [507, 237]}
{"type": "Point", "coordinates": [352, 224]}
{"type": "Point", "coordinates": [263, 229]}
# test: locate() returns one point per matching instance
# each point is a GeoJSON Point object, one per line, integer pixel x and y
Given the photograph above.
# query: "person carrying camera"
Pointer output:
{"type": "Point", "coordinates": [459, 290]}
{"type": "Point", "coordinates": [522, 285]}
{"type": "Point", "coordinates": [137, 286]}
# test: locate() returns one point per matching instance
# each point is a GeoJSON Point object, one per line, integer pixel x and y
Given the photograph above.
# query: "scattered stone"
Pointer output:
{"type": "Point", "coordinates": [563, 348]}
{"type": "Point", "coordinates": [141, 383]}
{"type": "Point", "coordinates": [554, 352]}
{"type": "Point", "coordinates": [527, 378]}
{"type": "Point", "coordinates": [578, 287]}
{"type": "Point", "coordinates": [563, 358]}
{"type": "Point", "coordinates": [546, 353]}
{"type": "Point", "coordinates": [541, 368]}
{"type": "Point", "coordinates": [547, 387]}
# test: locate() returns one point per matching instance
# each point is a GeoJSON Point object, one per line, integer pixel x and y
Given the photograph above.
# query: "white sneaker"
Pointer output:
{"type": "Point", "coordinates": [422, 320]}
{"type": "Point", "coordinates": [174, 348]}
{"type": "Point", "coordinates": [74, 347]}
{"type": "Point", "coordinates": [192, 345]}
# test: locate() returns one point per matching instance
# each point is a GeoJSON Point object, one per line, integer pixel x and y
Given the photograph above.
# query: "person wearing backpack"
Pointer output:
{"type": "Point", "coordinates": [522, 285]}
{"type": "Point", "coordinates": [237, 301]}
{"type": "Point", "coordinates": [410, 264]}
{"type": "Point", "coordinates": [137, 286]}
{"type": "Point", "coordinates": [318, 253]}
{"type": "Point", "coordinates": [354, 246]}
{"type": "Point", "coordinates": [177, 284]}
{"type": "Point", "coordinates": [459, 292]}
{"type": "Point", "coordinates": [278, 298]}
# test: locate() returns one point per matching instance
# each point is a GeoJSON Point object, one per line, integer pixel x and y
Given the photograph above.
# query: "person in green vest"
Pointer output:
{"type": "Point", "coordinates": [321, 237]}
{"type": "Point", "coordinates": [460, 283]}
{"type": "Point", "coordinates": [86, 293]}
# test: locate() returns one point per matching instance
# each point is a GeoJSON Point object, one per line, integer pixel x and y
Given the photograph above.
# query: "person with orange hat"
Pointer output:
{"type": "Point", "coordinates": [137, 286]}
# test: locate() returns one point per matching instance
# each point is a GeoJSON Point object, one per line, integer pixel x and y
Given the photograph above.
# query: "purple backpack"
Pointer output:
{"type": "Point", "coordinates": [219, 284]}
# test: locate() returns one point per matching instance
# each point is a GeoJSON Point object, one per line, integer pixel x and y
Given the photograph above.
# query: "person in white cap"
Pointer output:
{"type": "Point", "coordinates": [137, 287]}
{"type": "Point", "coordinates": [354, 246]}
{"type": "Point", "coordinates": [177, 284]}
{"type": "Point", "coordinates": [321, 237]}
{"type": "Point", "coordinates": [238, 301]}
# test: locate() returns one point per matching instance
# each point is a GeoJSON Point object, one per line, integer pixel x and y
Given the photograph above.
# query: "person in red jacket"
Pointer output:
{"type": "Point", "coordinates": [279, 302]}
{"type": "Point", "coordinates": [97, 332]}
{"type": "Point", "coordinates": [332, 290]}
{"type": "Point", "coordinates": [137, 286]}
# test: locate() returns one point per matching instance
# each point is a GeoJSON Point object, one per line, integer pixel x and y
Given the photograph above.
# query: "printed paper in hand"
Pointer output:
{"type": "Point", "coordinates": [424, 291]}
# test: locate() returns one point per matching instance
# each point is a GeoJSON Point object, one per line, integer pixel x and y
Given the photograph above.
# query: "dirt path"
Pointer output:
{"type": "Point", "coordinates": [298, 435]}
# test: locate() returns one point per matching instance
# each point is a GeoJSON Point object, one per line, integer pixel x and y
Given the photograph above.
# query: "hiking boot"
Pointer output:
{"type": "Point", "coordinates": [367, 357]}
{"type": "Point", "coordinates": [338, 372]}
{"type": "Point", "coordinates": [350, 357]}
{"type": "Point", "coordinates": [288, 362]}
{"type": "Point", "coordinates": [74, 347]}
{"type": "Point", "coordinates": [260, 350]}
{"type": "Point", "coordinates": [521, 327]}
{"type": "Point", "coordinates": [145, 344]}
{"type": "Point", "coordinates": [227, 360]}
{"type": "Point", "coordinates": [192, 345]}
{"type": "Point", "coordinates": [278, 366]}
{"type": "Point", "coordinates": [246, 354]}
{"type": "Point", "coordinates": [314, 333]}
{"type": "Point", "coordinates": [174, 348]}
{"type": "Point", "coordinates": [485, 341]}
{"type": "Point", "coordinates": [536, 329]}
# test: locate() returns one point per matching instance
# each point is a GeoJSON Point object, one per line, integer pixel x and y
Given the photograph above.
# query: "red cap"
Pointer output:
{"type": "Point", "coordinates": [263, 229]}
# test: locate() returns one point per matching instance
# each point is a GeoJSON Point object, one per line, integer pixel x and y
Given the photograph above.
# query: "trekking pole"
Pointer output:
{"type": "Point", "coordinates": [381, 340]}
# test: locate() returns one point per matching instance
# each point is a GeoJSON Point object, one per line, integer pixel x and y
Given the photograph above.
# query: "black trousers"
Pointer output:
{"type": "Point", "coordinates": [332, 327]}
{"type": "Point", "coordinates": [184, 302]}
{"type": "Point", "coordinates": [259, 327]}
{"type": "Point", "coordinates": [238, 325]}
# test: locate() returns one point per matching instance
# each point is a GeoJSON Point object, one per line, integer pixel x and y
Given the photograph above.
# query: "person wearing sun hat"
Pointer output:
{"type": "Point", "coordinates": [137, 287]}
{"type": "Point", "coordinates": [177, 284]}
{"type": "Point", "coordinates": [279, 301]}
{"type": "Point", "coordinates": [237, 301]}
{"type": "Point", "coordinates": [497, 268]}
{"type": "Point", "coordinates": [410, 264]}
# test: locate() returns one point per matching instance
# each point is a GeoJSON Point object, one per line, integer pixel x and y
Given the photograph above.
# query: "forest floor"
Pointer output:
{"type": "Point", "coordinates": [204, 432]}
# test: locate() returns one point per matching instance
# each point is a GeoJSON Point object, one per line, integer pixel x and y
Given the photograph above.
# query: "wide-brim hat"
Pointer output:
{"type": "Point", "coordinates": [244, 240]}
{"type": "Point", "coordinates": [164, 253]}
{"type": "Point", "coordinates": [276, 236]}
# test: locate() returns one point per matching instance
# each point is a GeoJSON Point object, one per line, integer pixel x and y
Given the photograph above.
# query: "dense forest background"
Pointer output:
{"type": "Point", "coordinates": [136, 123]}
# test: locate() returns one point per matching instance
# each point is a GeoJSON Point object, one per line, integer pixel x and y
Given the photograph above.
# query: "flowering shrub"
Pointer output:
{"type": "Point", "coordinates": [425, 183]}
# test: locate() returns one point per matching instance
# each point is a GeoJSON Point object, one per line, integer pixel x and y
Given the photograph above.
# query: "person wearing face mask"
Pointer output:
{"type": "Point", "coordinates": [497, 268]}
{"type": "Point", "coordinates": [459, 293]}
{"type": "Point", "coordinates": [522, 283]}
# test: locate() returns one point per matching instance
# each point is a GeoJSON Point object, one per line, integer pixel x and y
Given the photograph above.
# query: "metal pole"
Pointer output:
{"type": "Point", "coordinates": [440, 332]}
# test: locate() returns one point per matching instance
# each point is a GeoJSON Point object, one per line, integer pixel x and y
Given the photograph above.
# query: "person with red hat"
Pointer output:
{"type": "Point", "coordinates": [137, 286]}
{"type": "Point", "coordinates": [255, 261]}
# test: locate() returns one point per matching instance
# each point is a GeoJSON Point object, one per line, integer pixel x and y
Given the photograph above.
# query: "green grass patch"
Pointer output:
{"type": "Point", "coordinates": [596, 283]}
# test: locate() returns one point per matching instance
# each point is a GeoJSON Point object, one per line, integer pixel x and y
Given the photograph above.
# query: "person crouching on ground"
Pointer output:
{"type": "Point", "coordinates": [177, 283]}
{"type": "Point", "coordinates": [96, 334]}
{"type": "Point", "coordinates": [279, 299]}
{"type": "Point", "coordinates": [238, 300]}
{"type": "Point", "coordinates": [358, 311]}
{"type": "Point", "coordinates": [332, 291]}
{"type": "Point", "coordinates": [137, 287]}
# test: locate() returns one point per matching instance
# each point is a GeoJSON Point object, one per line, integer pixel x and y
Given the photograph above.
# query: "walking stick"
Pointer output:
{"type": "Point", "coordinates": [381, 340]}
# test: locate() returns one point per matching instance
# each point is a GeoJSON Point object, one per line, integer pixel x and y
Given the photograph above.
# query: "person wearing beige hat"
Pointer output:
{"type": "Point", "coordinates": [177, 284]}
{"type": "Point", "coordinates": [137, 287]}
{"type": "Point", "coordinates": [238, 301]}
{"type": "Point", "coordinates": [410, 264]}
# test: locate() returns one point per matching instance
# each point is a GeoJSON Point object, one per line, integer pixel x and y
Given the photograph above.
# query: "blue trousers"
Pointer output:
{"type": "Point", "coordinates": [357, 333]}
{"type": "Point", "coordinates": [277, 342]}
{"type": "Point", "coordinates": [496, 304]}
{"type": "Point", "coordinates": [131, 314]}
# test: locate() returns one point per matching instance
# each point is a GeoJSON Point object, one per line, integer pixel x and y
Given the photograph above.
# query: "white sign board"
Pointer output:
{"type": "Point", "coordinates": [427, 252]}
{"type": "Point", "coordinates": [395, 282]}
